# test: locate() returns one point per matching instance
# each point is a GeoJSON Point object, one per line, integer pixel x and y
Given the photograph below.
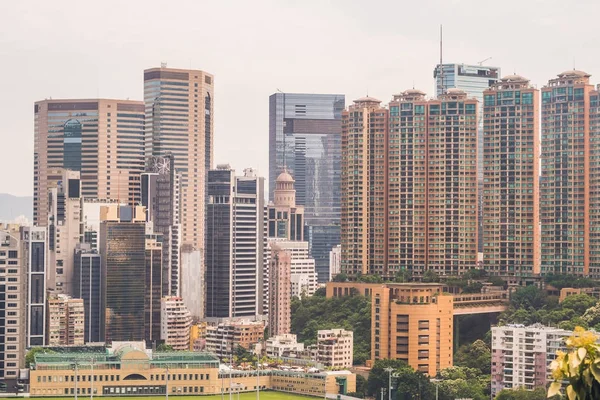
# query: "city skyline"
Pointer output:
{"type": "Point", "coordinates": [112, 71]}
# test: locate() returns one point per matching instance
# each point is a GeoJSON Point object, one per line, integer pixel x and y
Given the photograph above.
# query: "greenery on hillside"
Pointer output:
{"type": "Point", "coordinates": [353, 313]}
{"type": "Point", "coordinates": [530, 305]}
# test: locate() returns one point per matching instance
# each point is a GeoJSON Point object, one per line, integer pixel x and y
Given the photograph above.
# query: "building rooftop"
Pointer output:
{"type": "Point", "coordinates": [574, 73]}
{"type": "Point", "coordinates": [367, 99]}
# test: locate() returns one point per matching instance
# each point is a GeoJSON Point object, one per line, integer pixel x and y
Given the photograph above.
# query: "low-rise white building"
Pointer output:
{"type": "Point", "coordinates": [283, 346]}
{"type": "Point", "coordinates": [335, 261]}
{"type": "Point", "coordinates": [335, 347]}
{"type": "Point", "coordinates": [521, 355]}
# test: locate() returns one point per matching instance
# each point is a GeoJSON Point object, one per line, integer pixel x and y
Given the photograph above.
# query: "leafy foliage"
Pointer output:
{"type": "Point", "coordinates": [310, 314]}
{"type": "Point", "coordinates": [361, 387]}
{"type": "Point", "coordinates": [30, 356]}
{"type": "Point", "coordinates": [522, 394]}
{"type": "Point", "coordinates": [164, 347]}
{"type": "Point", "coordinates": [477, 356]}
{"type": "Point", "coordinates": [461, 382]}
{"type": "Point", "coordinates": [407, 383]}
{"type": "Point", "coordinates": [563, 281]}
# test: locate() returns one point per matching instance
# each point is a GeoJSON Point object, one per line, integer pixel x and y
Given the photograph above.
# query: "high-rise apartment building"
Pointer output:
{"type": "Point", "coordinates": [66, 321]}
{"type": "Point", "coordinates": [224, 338]}
{"type": "Point", "coordinates": [64, 231]}
{"type": "Point", "coordinates": [511, 229]}
{"type": "Point", "coordinates": [102, 139]}
{"type": "Point", "coordinates": [474, 80]}
{"type": "Point", "coordinates": [88, 287]}
{"type": "Point", "coordinates": [235, 228]}
{"type": "Point", "coordinates": [335, 261]}
{"type": "Point", "coordinates": [193, 285]}
{"type": "Point", "coordinates": [179, 121]}
{"type": "Point", "coordinates": [565, 184]}
{"type": "Point", "coordinates": [123, 255]}
{"type": "Point", "coordinates": [160, 194]}
{"type": "Point", "coordinates": [521, 356]}
{"type": "Point", "coordinates": [305, 139]}
{"type": "Point", "coordinates": [280, 291]}
{"type": "Point", "coordinates": [176, 322]}
{"type": "Point", "coordinates": [364, 201]}
{"type": "Point", "coordinates": [409, 180]}
{"type": "Point", "coordinates": [13, 258]}
{"type": "Point", "coordinates": [37, 248]}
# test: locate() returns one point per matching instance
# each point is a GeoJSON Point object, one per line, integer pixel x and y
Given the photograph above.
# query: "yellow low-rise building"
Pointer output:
{"type": "Point", "coordinates": [130, 369]}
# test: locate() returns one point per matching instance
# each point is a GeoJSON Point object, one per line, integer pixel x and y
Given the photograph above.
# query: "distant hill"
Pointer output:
{"type": "Point", "coordinates": [12, 207]}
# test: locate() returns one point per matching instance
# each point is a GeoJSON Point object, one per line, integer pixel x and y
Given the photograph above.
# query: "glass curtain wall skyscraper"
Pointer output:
{"type": "Point", "coordinates": [305, 138]}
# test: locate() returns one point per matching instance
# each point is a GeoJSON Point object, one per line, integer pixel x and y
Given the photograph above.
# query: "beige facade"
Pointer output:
{"type": "Point", "coordinates": [511, 223]}
{"type": "Point", "coordinates": [175, 323]}
{"type": "Point", "coordinates": [66, 321]}
{"type": "Point", "coordinates": [409, 321]}
{"type": "Point", "coordinates": [14, 261]}
{"type": "Point", "coordinates": [285, 218]}
{"type": "Point", "coordinates": [335, 348]}
{"type": "Point", "coordinates": [101, 138]}
{"type": "Point", "coordinates": [179, 120]}
{"type": "Point", "coordinates": [280, 291]}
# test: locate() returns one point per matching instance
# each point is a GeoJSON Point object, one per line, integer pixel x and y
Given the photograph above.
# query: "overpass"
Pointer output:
{"type": "Point", "coordinates": [480, 303]}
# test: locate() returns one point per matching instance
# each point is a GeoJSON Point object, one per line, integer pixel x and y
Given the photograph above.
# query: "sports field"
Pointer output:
{"type": "Point", "coordinates": [270, 395]}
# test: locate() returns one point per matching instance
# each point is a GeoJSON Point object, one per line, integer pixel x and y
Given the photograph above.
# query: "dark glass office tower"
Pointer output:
{"type": "Point", "coordinates": [123, 279]}
{"type": "Point", "coordinates": [305, 137]}
{"type": "Point", "coordinates": [88, 286]}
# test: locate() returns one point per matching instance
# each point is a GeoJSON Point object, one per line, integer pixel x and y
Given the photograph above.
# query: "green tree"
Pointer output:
{"type": "Point", "coordinates": [402, 276]}
{"type": "Point", "coordinates": [461, 382]}
{"type": "Point", "coordinates": [164, 347]}
{"type": "Point", "coordinates": [407, 383]}
{"type": "Point", "coordinates": [30, 356]}
{"type": "Point", "coordinates": [361, 387]}
{"type": "Point", "coordinates": [341, 277]}
{"type": "Point", "coordinates": [522, 394]}
{"type": "Point", "coordinates": [476, 355]}
{"type": "Point", "coordinates": [430, 276]}
{"type": "Point", "coordinates": [579, 303]}
{"type": "Point", "coordinates": [528, 297]}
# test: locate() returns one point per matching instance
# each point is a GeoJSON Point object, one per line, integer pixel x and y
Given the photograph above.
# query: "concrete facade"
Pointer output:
{"type": "Point", "coordinates": [175, 323]}
{"type": "Point", "coordinates": [335, 347]}
{"type": "Point", "coordinates": [66, 321]}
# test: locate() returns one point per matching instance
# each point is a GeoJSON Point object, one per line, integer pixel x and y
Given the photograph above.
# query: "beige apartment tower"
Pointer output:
{"type": "Point", "coordinates": [179, 121]}
{"type": "Point", "coordinates": [364, 187]}
{"type": "Point", "coordinates": [511, 226]}
{"type": "Point", "coordinates": [66, 321]}
{"type": "Point", "coordinates": [409, 185]}
{"type": "Point", "coordinates": [280, 291]}
{"type": "Point", "coordinates": [565, 184]}
{"type": "Point", "coordinates": [103, 139]}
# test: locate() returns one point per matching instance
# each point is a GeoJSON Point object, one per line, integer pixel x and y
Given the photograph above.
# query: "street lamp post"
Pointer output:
{"type": "Point", "coordinates": [167, 384]}
{"type": "Point", "coordinates": [436, 381]}
{"type": "Point", "coordinates": [92, 381]}
{"type": "Point", "coordinates": [76, 379]}
{"type": "Point", "coordinates": [389, 370]}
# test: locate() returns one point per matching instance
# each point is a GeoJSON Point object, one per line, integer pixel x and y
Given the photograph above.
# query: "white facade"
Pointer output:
{"type": "Point", "coordinates": [91, 219]}
{"type": "Point", "coordinates": [303, 272]}
{"type": "Point", "coordinates": [175, 323]}
{"type": "Point", "coordinates": [335, 347]}
{"type": "Point", "coordinates": [192, 282]}
{"type": "Point", "coordinates": [283, 346]}
{"type": "Point", "coordinates": [335, 261]}
{"type": "Point", "coordinates": [521, 355]}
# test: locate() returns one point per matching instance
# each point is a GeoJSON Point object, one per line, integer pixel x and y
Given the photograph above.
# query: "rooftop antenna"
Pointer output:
{"type": "Point", "coordinates": [482, 61]}
{"type": "Point", "coordinates": [441, 86]}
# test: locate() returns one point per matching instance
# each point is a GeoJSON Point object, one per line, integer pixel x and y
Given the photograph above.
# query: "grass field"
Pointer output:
{"type": "Point", "coordinates": [270, 395]}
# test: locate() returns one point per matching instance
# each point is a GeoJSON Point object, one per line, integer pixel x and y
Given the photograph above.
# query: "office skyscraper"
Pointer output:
{"type": "Point", "coordinates": [565, 185]}
{"type": "Point", "coordinates": [409, 185]}
{"type": "Point", "coordinates": [511, 230]}
{"type": "Point", "coordinates": [179, 121]}
{"type": "Point", "coordinates": [102, 139]}
{"type": "Point", "coordinates": [160, 194]}
{"type": "Point", "coordinates": [305, 138]}
{"type": "Point", "coordinates": [88, 287]}
{"type": "Point", "coordinates": [235, 228]}
{"type": "Point", "coordinates": [123, 255]}
{"type": "Point", "coordinates": [64, 231]}
{"type": "Point", "coordinates": [37, 247]}
{"type": "Point", "coordinates": [280, 291]}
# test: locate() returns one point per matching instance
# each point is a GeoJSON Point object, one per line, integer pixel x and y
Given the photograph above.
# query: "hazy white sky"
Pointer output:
{"type": "Point", "coordinates": [87, 49]}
